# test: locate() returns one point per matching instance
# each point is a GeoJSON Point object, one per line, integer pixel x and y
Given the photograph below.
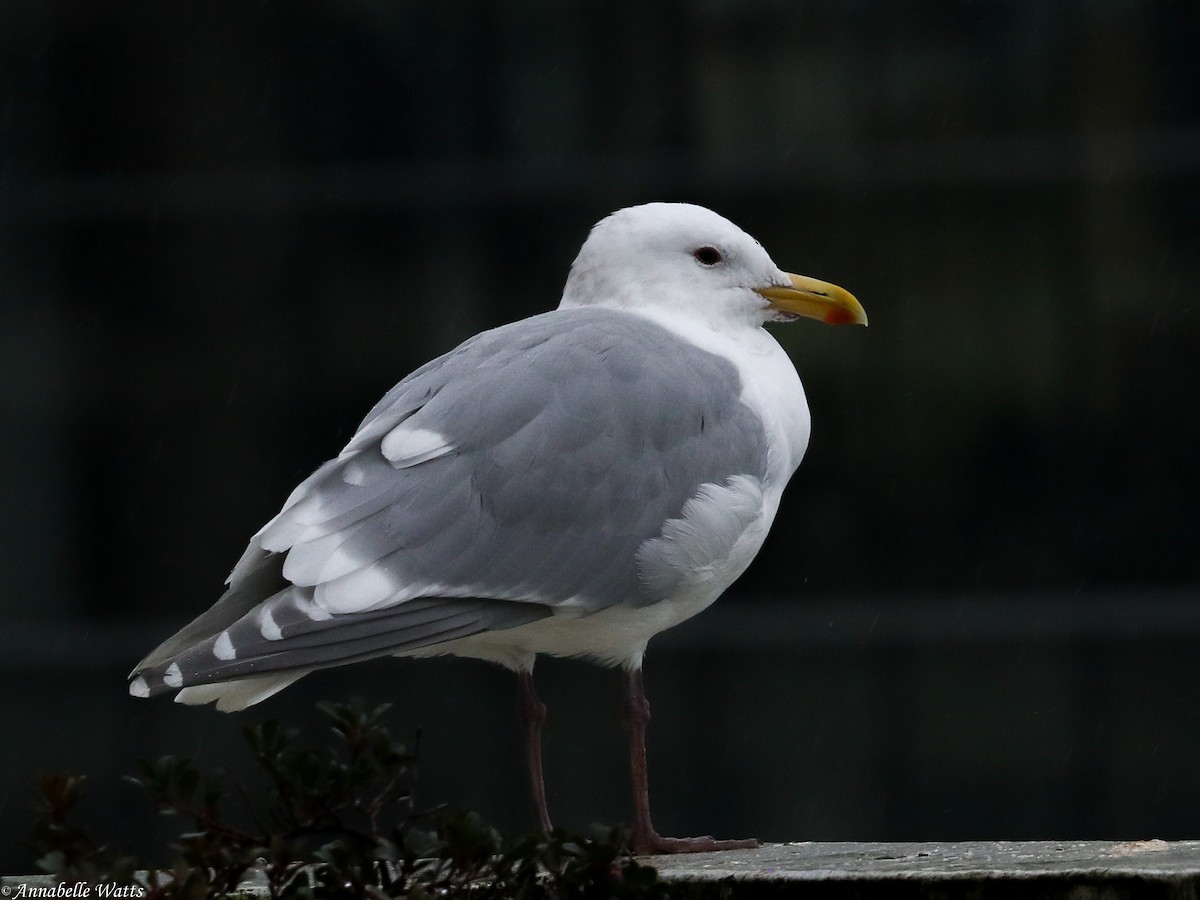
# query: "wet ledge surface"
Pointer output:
{"type": "Point", "coordinates": [1078, 870]}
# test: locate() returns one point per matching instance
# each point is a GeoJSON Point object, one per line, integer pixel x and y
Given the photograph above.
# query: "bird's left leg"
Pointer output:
{"type": "Point", "coordinates": [533, 715]}
{"type": "Point", "coordinates": [645, 840]}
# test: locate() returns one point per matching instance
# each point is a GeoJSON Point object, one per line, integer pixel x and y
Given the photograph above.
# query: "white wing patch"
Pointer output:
{"type": "Point", "coordinates": [267, 626]}
{"type": "Point", "coordinates": [707, 544]}
{"type": "Point", "coordinates": [407, 445]}
{"type": "Point", "coordinates": [223, 647]}
{"type": "Point", "coordinates": [360, 590]}
{"type": "Point", "coordinates": [324, 558]}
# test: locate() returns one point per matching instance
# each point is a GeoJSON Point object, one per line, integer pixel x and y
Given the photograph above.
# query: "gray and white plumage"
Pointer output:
{"type": "Point", "coordinates": [571, 484]}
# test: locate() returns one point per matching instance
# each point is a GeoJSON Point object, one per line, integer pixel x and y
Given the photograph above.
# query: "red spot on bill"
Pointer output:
{"type": "Point", "coordinates": [839, 316]}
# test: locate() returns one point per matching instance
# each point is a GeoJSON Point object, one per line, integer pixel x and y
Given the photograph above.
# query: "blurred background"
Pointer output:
{"type": "Point", "coordinates": [227, 228]}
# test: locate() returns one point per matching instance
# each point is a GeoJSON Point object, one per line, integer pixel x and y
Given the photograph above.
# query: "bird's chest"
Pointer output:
{"type": "Point", "coordinates": [772, 388]}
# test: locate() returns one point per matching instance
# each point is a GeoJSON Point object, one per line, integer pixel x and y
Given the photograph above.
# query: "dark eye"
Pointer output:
{"type": "Point", "coordinates": [707, 256]}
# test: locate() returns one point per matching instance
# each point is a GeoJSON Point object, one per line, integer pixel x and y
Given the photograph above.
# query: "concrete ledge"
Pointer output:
{"type": "Point", "coordinates": [1079, 870]}
{"type": "Point", "coordinates": [985, 870]}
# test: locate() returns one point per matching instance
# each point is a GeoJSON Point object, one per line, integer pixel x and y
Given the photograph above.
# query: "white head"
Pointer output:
{"type": "Point", "coordinates": [676, 257]}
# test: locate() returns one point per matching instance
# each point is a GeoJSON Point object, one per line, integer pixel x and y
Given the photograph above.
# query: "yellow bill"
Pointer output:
{"type": "Point", "coordinates": [816, 300]}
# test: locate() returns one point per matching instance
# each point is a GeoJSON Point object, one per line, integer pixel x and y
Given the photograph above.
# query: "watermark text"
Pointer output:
{"type": "Point", "coordinates": [22, 889]}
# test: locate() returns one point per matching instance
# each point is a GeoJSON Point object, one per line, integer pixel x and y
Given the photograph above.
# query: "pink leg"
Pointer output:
{"type": "Point", "coordinates": [533, 714]}
{"type": "Point", "coordinates": [645, 840]}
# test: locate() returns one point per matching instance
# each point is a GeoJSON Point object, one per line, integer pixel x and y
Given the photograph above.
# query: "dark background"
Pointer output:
{"type": "Point", "coordinates": [227, 228]}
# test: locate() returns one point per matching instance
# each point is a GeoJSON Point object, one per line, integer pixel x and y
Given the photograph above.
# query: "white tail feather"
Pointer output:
{"type": "Point", "coordinates": [231, 696]}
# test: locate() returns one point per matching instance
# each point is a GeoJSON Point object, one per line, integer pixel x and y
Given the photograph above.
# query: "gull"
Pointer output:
{"type": "Point", "coordinates": [571, 484]}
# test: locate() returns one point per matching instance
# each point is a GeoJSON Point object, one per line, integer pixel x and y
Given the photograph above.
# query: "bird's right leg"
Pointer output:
{"type": "Point", "coordinates": [645, 840]}
{"type": "Point", "coordinates": [533, 714]}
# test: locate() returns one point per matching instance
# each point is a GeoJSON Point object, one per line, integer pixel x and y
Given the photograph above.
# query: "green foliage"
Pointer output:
{"type": "Point", "coordinates": [339, 822]}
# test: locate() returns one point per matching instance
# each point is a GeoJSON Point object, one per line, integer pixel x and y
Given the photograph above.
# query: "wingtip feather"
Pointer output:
{"type": "Point", "coordinates": [139, 688]}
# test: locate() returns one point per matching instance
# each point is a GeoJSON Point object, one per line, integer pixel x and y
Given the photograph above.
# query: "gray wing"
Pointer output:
{"type": "Point", "coordinates": [518, 473]}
